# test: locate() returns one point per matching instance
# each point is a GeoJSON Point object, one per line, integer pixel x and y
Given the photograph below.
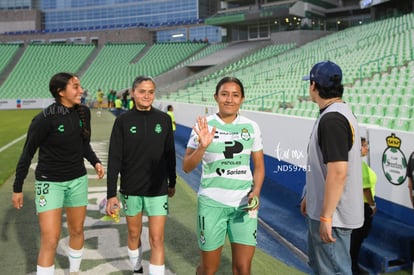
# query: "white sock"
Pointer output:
{"type": "Point", "coordinates": [75, 258]}
{"type": "Point", "coordinates": [50, 270]}
{"type": "Point", "coordinates": [135, 257]}
{"type": "Point", "coordinates": [156, 269]}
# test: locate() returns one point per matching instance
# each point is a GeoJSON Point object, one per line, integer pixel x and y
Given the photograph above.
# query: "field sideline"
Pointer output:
{"type": "Point", "coordinates": [105, 247]}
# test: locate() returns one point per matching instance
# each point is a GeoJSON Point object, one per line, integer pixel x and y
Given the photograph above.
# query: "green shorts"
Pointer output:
{"type": "Point", "coordinates": [152, 206]}
{"type": "Point", "coordinates": [52, 195]}
{"type": "Point", "coordinates": [214, 222]}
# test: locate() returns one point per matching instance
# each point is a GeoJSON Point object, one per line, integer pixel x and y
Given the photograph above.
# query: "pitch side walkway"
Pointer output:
{"type": "Point", "coordinates": [105, 242]}
{"type": "Point", "coordinates": [105, 248]}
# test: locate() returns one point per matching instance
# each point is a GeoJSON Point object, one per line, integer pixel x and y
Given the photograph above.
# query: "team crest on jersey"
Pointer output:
{"type": "Point", "coordinates": [245, 135]}
{"type": "Point", "coordinates": [202, 238]}
{"type": "Point", "coordinates": [394, 163]}
{"type": "Point", "coordinates": [158, 128]}
{"type": "Point", "coordinates": [42, 201]}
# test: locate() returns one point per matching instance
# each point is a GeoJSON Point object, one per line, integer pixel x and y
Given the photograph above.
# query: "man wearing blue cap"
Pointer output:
{"type": "Point", "coordinates": [332, 200]}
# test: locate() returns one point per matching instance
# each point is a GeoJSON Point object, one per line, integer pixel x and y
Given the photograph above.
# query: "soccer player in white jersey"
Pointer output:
{"type": "Point", "coordinates": [228, 197]}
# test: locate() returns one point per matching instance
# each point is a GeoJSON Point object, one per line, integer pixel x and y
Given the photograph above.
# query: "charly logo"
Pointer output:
{"type": "Point", "coordinates": [133, 129]}
{"type": "Point", "coordinates": [394, 163]}
{"type": "Point", "coordinates": [158, 128]}
{"type": "Point", "coordinates": [61, 128]}
{"type": "Point", "coordinates": [245, 135]}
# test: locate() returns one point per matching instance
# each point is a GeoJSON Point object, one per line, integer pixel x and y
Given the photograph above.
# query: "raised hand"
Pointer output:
{"type": "Point", "coordinates": [205, 137]}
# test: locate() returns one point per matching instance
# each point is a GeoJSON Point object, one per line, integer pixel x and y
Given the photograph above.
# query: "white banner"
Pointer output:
{"type": "Point", "coordinates": [35, 103]}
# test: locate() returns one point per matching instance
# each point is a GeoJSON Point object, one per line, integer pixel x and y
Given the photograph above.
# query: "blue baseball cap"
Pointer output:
{"type": "Point", "coordinates": [325, 73]}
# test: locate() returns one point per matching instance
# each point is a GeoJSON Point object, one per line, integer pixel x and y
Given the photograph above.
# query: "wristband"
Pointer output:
{"type": "Point", "coordinates": [324, 219]}
{"type": "Point", "coordinates": [373, 206]}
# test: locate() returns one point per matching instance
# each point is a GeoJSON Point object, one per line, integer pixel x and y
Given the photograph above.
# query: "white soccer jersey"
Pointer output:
{"type": "Point", "coordinates": [226, 176]}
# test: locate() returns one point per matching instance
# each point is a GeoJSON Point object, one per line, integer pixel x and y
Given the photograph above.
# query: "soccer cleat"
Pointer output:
{"type": "Point", "coordinates": [138, 271]}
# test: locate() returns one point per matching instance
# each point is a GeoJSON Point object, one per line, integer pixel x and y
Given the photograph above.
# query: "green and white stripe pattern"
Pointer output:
{"type": "Point", "coordinates": [226, 176]}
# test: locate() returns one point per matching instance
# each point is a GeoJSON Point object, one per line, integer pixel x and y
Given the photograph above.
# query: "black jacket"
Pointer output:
{"type": "Point", "coordinates": [57, 132]}
{"type": "Point", "coordinates": [142, 151]}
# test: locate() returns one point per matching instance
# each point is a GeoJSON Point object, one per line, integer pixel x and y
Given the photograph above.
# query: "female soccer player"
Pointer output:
{"type": "Point", "coordinates": [228, 197]}
{"type": "Point", "coordinates": [62, 133]}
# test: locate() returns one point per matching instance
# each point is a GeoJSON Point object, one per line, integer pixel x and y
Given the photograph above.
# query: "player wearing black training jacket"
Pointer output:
{"type": "Point", "coordinates": [142, 151]}
{"type": "Point", "coordinates": [143, 156]}
{"type": "Point", "coordinates": [57, 130]}
{"type": "Point", "coordinates": [62, 133]}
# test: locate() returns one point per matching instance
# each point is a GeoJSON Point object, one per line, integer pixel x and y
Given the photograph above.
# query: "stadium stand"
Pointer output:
{"type": "Point", "coordinates": [376, 73]}
{"type": "Point", "coordinates": [114, 67]}
{"type": "Point", "coordinates": [7, 51]}
{"type": "Point", "coordinates": [195, 93]}
{"type": "Point", "coordinates": [210, 49]}
{"type": "Point", "coordinates": [164, 56]}
{"type": "Point", "coordinates": [31, 75]}
{"type": "Point", "coordinates": [111, 68]}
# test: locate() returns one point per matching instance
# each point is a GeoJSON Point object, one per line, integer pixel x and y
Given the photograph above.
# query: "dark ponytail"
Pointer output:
{"type": "Point", "coordinates": [82, 112]}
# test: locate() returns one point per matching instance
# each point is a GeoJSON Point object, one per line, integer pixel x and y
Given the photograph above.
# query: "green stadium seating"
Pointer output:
{"type": "Point", "coordinates": [7, 51]}
{"type": "Point", "coordinates": [111, 69]}
{"type": "Point", "coordinates": [31, 75]}
{"type": "Point", "coordinates": [210, 49]}
{"type": "Point", "coordinates": [377, 65]}
{"type": "Point", "coordinates": [114, 67]}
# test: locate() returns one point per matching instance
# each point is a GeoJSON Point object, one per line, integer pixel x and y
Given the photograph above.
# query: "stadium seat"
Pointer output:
{"type": "Point", "coordinates": [402, 124]}
{"type": "Point", "coordinates": [45, 60]}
